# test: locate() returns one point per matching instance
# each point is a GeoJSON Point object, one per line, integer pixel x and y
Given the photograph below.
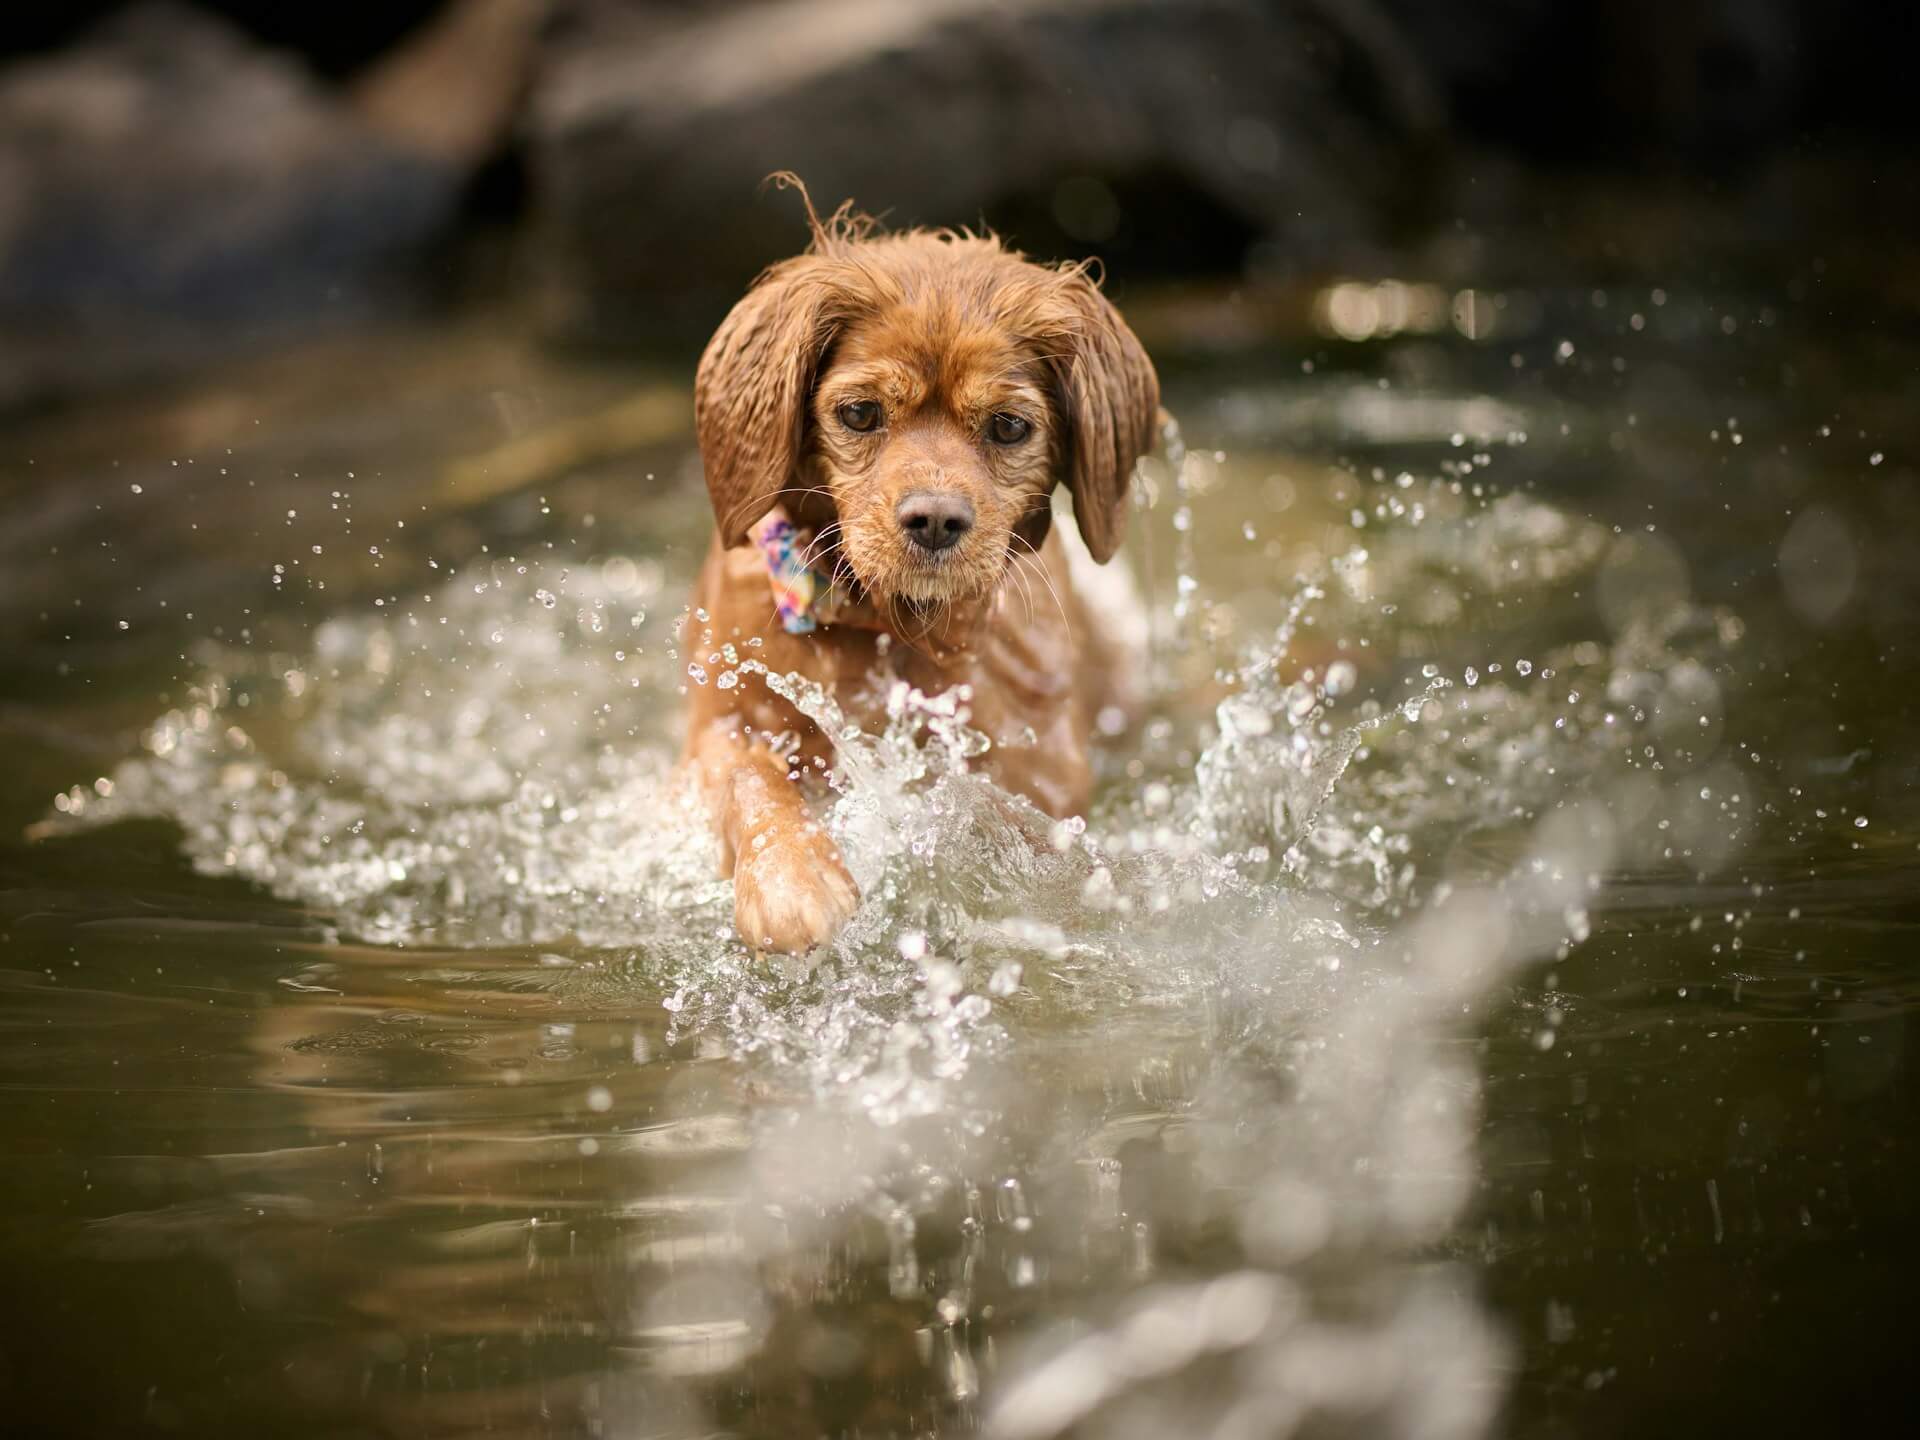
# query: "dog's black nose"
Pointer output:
{"type": "Point", "coordinates": [935, 519]}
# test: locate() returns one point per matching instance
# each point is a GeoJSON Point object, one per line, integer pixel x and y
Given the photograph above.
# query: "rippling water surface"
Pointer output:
{"type": "Point", "coordinates": [1477, 1003]}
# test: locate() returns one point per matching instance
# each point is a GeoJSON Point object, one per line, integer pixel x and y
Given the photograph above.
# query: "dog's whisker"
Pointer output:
{"type": "Point", "coordinates": [1059, 603]}
{"type": "Point", "coordinates": [1026, 590]}
{"type": "Point", "coordinates": [819, 544]}
{"type": "Point", "coordinates": [1021, 565]}
{"type": "Point", "coordinates": [779, 490]}
{"type": "Point", "coordinates": [1045, 579]}
{"type": "Point", "coordinates": [813, 554]}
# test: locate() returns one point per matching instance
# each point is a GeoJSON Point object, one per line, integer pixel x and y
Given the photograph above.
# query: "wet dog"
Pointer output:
{"type": "Point", "coordinates": [883, 421]}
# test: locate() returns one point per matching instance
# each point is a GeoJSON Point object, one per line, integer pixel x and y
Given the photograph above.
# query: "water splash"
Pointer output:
{"type": "Point", "coordinates": [1271, 891]}
{"type": "Point", "coordinates": [496, 768]}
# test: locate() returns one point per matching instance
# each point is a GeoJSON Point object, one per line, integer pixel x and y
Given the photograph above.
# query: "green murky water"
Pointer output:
{"type": "Point", "coordinates": [1478, 1004]}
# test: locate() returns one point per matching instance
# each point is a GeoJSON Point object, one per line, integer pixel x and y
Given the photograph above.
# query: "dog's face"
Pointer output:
{"type": "Point", "coordinates": [936, 437]}
{"type": "Point", "coordinates": [915, 399]}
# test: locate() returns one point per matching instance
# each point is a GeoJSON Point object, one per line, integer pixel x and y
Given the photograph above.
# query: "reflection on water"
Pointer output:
{"type": "Point", "coordinates": [1429, 961]}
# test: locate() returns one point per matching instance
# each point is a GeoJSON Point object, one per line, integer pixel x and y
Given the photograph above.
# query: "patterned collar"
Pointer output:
{"type": "Point", "coordinates": [804, 597]}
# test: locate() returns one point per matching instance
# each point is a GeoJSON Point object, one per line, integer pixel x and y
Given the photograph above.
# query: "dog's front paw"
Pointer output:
{"type": "Point", "coordinates": [791, 891]}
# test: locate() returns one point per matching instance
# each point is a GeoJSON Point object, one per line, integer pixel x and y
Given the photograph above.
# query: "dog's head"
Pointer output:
{"type": "Point", "coordinates": [915, 398]}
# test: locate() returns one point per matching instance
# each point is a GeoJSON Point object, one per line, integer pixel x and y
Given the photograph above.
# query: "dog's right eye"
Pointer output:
{"type": "Point", "coordinates": [860, 415]}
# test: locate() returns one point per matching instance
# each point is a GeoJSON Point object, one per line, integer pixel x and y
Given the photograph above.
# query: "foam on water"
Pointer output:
{"type": "Point", "coordinates": [495, 768]}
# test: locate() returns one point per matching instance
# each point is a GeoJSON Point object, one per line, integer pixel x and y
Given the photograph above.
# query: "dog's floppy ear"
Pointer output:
{"type": "Point", "coordinates": [1110, 402]}
{"type": "Point", "coordinates": [751, 391]}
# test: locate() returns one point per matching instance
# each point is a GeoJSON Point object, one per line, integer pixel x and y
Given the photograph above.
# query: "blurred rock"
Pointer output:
{"type": "Point", "coordinates": [1117, 126]}
{"type": "Point", "coordinates": [170, 191]}
{"type": "Point", "coordinates": [452, 90]}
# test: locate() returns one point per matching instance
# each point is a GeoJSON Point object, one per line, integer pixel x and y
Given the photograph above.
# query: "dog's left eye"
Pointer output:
{"type": "Point", "coordinates": [860, 415]}
{"type": "Point", "coordinates": [1008, 429]}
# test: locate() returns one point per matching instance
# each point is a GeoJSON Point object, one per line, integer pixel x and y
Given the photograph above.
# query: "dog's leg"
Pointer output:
{"type": "Point", "coordinates": [791, 890]}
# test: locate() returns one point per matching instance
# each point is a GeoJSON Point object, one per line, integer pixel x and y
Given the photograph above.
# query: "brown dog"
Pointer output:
{"type": "Point", "coordinates": [883, 421]}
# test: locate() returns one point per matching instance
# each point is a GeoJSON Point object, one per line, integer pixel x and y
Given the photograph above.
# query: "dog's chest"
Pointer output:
{"type": "Point", "coordinates": [1025, 675]}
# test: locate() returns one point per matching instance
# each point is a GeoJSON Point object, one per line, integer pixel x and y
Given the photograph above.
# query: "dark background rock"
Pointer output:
{"type": "Point", "coordinates": [1166, 137]}
{"type": "Point", "coordinates": [170, 188]}
{"type": "Point", "coordinates": [1257, 138]}
{"type": "Point", "coordinates": [178, 184]}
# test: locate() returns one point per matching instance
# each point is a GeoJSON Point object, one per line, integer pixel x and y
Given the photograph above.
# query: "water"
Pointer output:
{"type": "Point", "coordinates": [1477, 1003]}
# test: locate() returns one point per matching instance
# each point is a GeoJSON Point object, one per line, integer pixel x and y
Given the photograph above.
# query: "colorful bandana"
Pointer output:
{"type": "Point", "coordinates": [804, 598]}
